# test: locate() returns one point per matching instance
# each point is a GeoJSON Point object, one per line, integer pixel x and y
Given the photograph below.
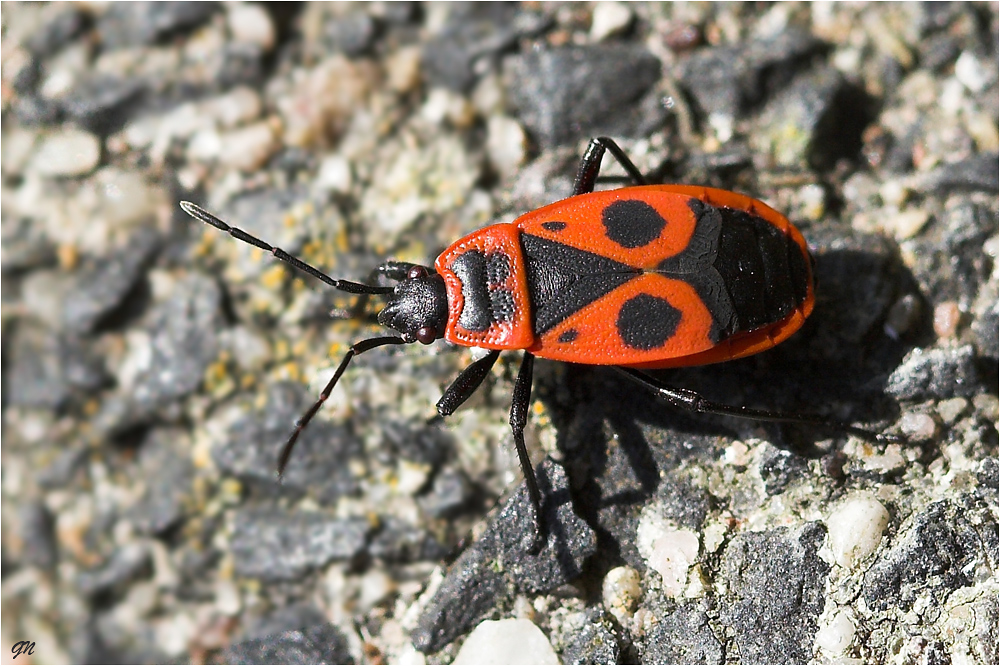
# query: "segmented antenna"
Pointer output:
{"type": "Point", "coordinates": [199, 213]}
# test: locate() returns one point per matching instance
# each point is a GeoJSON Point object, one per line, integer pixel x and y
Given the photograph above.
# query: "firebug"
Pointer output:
{"type": "Point", "coordinates": [641, 277]}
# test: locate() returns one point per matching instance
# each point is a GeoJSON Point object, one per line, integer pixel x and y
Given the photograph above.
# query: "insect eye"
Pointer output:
{"type": "Point", "coordinates": [426, 335]}
{"type": "Point", "coordinates": [416, 272]}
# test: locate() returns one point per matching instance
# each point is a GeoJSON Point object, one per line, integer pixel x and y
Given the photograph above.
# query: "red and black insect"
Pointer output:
{"type": "Point", "coordinates": [642, 277]}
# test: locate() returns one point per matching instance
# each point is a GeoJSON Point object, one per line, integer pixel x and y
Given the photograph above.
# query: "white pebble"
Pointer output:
{"type": "Point", "coordinates": [837, 634]}
{"type": "Point", "coordinates": [621, 590]}
{"type": "Point", "coordinates": [334, 174]}
{"type": "Point", "coordinates": [971, 73]}
{"type": "Point", "coordinates": [512, 641]}
{"type": "Point", "coordinates": [856, 528]}
{"type": "Point", "coordinates": [249, 148]}
{"type": "Point", "coordinates": [240, 105]}
{"type": "Point", "coordinates": [506, 144]}
{"type": "Point", "coordinates": [251, 24]}
{"type": "Point", "coordinates": [917, 427]}
{"type": "Point", "coordinates": [609, 18]}
{"type": "Point", "coordinates": [668, 550]}
{"type": "Point", "coordinates": [908, 223]}
{"type": "Point", "coordinates": [67, 152]}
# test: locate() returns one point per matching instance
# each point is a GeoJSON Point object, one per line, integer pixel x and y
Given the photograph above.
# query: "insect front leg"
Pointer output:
{"type": "Point", "coordinates": [466, 384]}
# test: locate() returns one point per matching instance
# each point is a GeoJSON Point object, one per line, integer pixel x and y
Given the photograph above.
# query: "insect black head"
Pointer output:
{"type": "Point", "coordinates": [417, 307]}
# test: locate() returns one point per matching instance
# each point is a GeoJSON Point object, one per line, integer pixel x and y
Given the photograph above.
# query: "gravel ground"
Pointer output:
{"type": "Point", "coordinates": [153, 366]}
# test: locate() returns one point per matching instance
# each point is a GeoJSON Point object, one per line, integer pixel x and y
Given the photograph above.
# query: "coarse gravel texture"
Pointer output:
{"type": "Point", "coordinates": [152, 366]}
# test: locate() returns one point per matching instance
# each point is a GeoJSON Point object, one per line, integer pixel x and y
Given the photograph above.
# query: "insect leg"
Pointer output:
{"type": "Point", "coordinates": [590, 165]}
{"type": "Point", "coordinates": [518, 419]}
{"type": "Point", "coordinates": [696, 403]}
{"type": "Point", "coordinates": [466, 384]}
{"type": "Point", "coordinates": [300, 425]}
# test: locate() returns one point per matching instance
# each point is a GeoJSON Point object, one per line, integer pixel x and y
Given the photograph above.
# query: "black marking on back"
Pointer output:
{"type": "Point", "coordinates": [553, 226]}
{"type": "Point", "coordinates": [632, 223]}
{"type": "Point", "coordinates": [563, 279]}
{"type": "Point", "coordinates": [646, 322]}
{"type": "Point", "coordinates": [486, 300]}
{"type": "Point", "coordinates": [569, 335]}
{"type": "Point", "coordinates": [746, 270]}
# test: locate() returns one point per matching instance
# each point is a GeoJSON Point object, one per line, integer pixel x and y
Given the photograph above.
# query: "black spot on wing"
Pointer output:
{"type": "Point", "coordinates": [632, 223]}
{"type": "Point", "coordinates": [569, 335]}
{"type": "Point", "coordinates": [563, 279]}
{"type": "Point", "coordinates": [553, 226]}
{"type": "Point", "coordinates": [646, 322]}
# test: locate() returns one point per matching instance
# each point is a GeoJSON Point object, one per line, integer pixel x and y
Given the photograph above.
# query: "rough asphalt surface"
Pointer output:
{"type": "Point", "coordinates": [153, 366]}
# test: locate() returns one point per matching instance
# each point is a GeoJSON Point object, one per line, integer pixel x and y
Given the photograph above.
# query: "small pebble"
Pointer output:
{"type": "Point", "coordinates": [609, 18]}
{"type": "Point", "coordinates": [886, 463]}
{"type": "Point", "coordinates": [621, 590]}
{"type": "Point", "coordinates": [249, 148]}
{"type": "Point", "coordinates": [950, 410]}
{"type": "Point", "coordinates": [901, 317]}
{"type": "Point", "coordinates": [334, 174]}
{"type": "Point", "coordinates": [251, 24]}
{"type": "Point", "coordinates": [856, 528]}
{"type": "Point", "coordinates": [837, 634]}
{"type": "Point", "coordinates": [512, 641]}
{"type": "Point", "coordinates": [971, 73]}
{"type": "Point", "coordinates": [908, 223]}
{"type": "Point", "coordinates": [238, 106]}
{"type": "Point", "coordinates": [668, 550]}
{"type": "Point", "coordinates": [67, 152]}
{"type": "Point", "coordinates": [917, 427]}
{"type": "Point", "coordinates": [946, 318]}
{"type": "Point", "coordinates": [506, 145]}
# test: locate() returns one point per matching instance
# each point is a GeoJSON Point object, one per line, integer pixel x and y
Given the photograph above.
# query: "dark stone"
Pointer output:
{"type": "Point", "coordinates": [321, 644]}
{"type": "Point", "coordinates": [45, 368]}
{"type": "Point", "coordinates": [38, 535]}
{"type": "Point", "coordinates": [828, 112]}
{"type": "Point", "coordinates": [597, 642]}
{"type": "Point", "coordinates": [565, 93]}
{"type": "Point", "coordinates": [165, 464]}
{"type": "Point", "coordinates": [949, 262]}
{"type": "Point", "coordinates": [34, 111]}
{"type": "Point", "coordinates": [939, 51]}
{"type": "Point", "coordinates": [500, 564]}
{"type": "Point", "coordinates": [932, 556]}
{"type": "Point", "coordinates": [102, 284]}
{"type": "Point", "coordinates": [729, 80]}
{"type": "Point", "coordinates": [977, 173]}
{"type": "Point", "coordinates": [126, 564]}
{"type": "Point", "coordinates": [988, 480]}
{"type": "Point", "coordinates": [137, 24]}
{"type": "Point", "coordinates": [103, 104]}
{"type": "Point", "coordinates": [55, 33]}
{"type": "Point", "coordinates": [401, 543]}
{"type": "Point", "coordinates": [774, 593]}
{"type": "Point", "coordinates": [276, 545]}
{"type": "Point", "coordinates": [415, 442]}
{"type": "Point", "coordinates": [472, 31]}
{"type": "Point", "coordinates": [450, 494]}
{"type": "Point", "coordinates": [184, 342]}
{"type": "Point", "coordinates": [935, 374]}
{"type": "Point", "coordinates": [25, 245]}
{"type": "Point", "coordinates": [318, 464]}
{"type": "Point", "coordinates": [680, 635]}
{"type": "Point", "coordinates": [985, 328]}
{"type": "Point", "coordinates": [351, 35]}
{"type": "Point", "coordinates": [778, 468]}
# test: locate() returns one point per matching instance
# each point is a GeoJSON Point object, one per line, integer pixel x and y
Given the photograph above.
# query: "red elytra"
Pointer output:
{"type": "Point", "coordinates": [641, 277]}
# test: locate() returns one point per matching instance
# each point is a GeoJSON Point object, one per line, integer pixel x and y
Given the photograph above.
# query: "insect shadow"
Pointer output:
{"type": "Point", "coordinates": [623, 446]}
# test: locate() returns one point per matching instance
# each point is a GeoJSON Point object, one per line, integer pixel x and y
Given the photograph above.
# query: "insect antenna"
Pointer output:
{"type": "Point", "coordinates": [300, 425]}
{"type": "Point", "coordinates": [199, 213]}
